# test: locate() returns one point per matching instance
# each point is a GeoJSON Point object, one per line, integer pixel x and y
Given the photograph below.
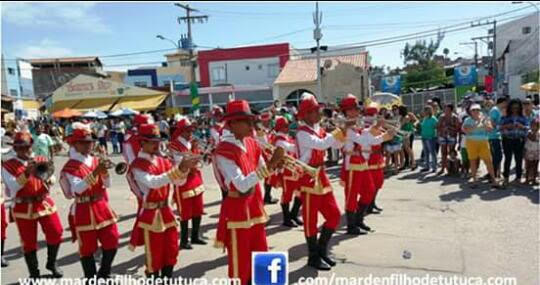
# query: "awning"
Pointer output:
{"type": "Point", "coordinates": [31, 104]}
{"type": "Point", "coordinates": [140, 103]}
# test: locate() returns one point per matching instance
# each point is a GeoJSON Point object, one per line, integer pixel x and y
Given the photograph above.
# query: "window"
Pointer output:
{"type": "Point", "coordinates": [11, 71]}
{"type": "Point", "coordinates": [13, 92]}
{"type": "Point", "coordinates": [140, 83]}
{"type": "Point", "coordinates": [260, 67]}
{"type": "Point", "coordinates": [218, 73]}
{"type": "Point", "coordinates": [247, 67]}
{"type": "Point", "coordinates": [166, 83]}
{"type": "Point", "coordinates": [273, 70]}
{"type": "Point", "coordinates": [526, 30]}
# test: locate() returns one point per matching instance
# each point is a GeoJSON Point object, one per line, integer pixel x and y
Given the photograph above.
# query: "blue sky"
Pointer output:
{"type": "Point", "coordinates": [32, 30]}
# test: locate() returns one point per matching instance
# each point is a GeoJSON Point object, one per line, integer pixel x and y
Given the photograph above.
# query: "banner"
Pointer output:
{"type": "Point", "coordinates": [465, 75]}
{"type": "Point", "coordinates": [488, 82]}
{"type": "Point", "coordinates": [391, 84]}
{"type": "Point", "coordinates": [195, 98]}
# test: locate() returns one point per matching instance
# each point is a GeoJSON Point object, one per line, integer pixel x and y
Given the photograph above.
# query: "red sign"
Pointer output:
{"type": "Point", "coordinates": [488, 82]}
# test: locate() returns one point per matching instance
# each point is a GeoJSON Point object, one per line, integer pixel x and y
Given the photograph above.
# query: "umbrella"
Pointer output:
{"type": "Point", "coordinates": [530, 87]}
{"type": "Point", "coordinates": [95, 114]}
{"type": "Point", "coordinates": [66, 113]}
{"type": "Point", "coordinates": [124, 112]}
{"type": "Point", "coordinates": [386, 100]}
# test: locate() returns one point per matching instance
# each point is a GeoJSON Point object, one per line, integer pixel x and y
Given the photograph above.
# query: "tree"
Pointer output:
{"type": "Point", "coordinates": [420, 53]}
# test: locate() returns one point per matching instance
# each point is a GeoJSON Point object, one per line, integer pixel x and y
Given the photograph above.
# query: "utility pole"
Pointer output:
{"type": "Point", "coordinates": [493, 49]}
{"type": "Point", "coordinates": [317, 35]}
{"type": "Point", "coordinates": [475, 51]}
{"type": "Point", "coordinates": [189, 19]}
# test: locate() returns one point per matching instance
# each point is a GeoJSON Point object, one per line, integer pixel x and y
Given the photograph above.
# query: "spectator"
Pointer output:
{"type": "Point", "coordinates": [43, 143]}
{"type": "Point", "coordinates": [120, 129]}
{"type": "Point", "coordinates": [101, 131]}
{"type": "Point", "coordinates": [532, 153]}
{"type": "Point", "coordinates": [528, 111]}
{"type": "Point", "coordinates": [495, 114]}
{"type": "Point", "coordinates": [476, 128]}
{"type": "Point", "coordinates": [447, 131]}
{"type": "Point", "coordinates": [514, 128]}
{"type": "Point", "coordinates": [429, 137]}
{"type": "Point", "coordinates": [408, 124]}
{"type": "Point", "coordinates": [164, 128]}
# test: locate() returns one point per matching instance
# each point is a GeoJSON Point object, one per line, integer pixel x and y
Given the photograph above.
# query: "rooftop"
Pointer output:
{"type": "Point", "coordinates": [65, 60]}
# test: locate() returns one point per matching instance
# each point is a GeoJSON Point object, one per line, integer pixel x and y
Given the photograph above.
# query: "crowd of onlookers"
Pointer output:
{"type": "Point", "coordinates": [455, 139]}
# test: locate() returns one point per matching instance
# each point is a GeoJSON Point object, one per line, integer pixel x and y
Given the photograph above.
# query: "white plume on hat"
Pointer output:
{"type": "Point", "coordinates": [307, 96]}
{"type": "Point", "coordinates": [81, 126]}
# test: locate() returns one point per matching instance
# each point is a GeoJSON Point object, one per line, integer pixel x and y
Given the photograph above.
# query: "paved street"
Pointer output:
{"type": "Point", "coordinates": [448, 229]}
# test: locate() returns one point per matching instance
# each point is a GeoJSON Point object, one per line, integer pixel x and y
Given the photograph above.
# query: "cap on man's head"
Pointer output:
{"type": "Point", "coordinates": [476, 107]}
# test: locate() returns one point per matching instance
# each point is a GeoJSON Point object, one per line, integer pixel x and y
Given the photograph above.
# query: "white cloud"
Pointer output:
{"type": "Point", "coordinates": [44, 49]}
{"type": "Point", "coordinates": [77, 16]}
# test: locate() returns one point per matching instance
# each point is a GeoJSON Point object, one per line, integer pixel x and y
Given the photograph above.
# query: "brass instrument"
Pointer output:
{"type": "Point", "coordinates": [44, 170]}
{"type": "Point", "coordinates": [291, 163]}
{"type": "Point", "coordinates": [119, 168]}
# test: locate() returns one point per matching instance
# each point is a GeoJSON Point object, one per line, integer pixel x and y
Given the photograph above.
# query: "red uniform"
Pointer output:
{"type": "Point", "coordinates": [93, 219]}
{"type": "Point", "coordinates": [376, 165]}
{"type": "Point", "coordinates": [242, 216]}
{"type": "Point", "coordinates": [156, 226]}
{"type": "Point", "coordinates": [188, 197]}
{"type": "Point", "coordinates": [33, 205]}
{"type": "Point", "coordinates": [286, 179]}
{"type": "Point", "coordinates": [317, 193]}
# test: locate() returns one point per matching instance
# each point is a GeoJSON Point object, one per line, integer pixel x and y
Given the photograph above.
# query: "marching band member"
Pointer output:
{"type": "Point", "coordinates": [33, 205]}
{"type": "Point", "coordinates": [85, 179]}
{"type": "Point", "coordinates": [217, 130]}
{"type": "Point", "coordinates": [188, 197]}
{"type": "Point", "coordinates": [317, 196]}
{"type": "Point", "coordinates": [264, 134]}
{"type": "Point", "coordinates": [376, 159]}
{"type": "Point", "coordinates": [359, 185]}
{"type": "Point", "coordinates": [287, 179]}
{"type": "Point", "coordinates": [241, 226]}
{"type": "Point", "coordinates": [155, 226]}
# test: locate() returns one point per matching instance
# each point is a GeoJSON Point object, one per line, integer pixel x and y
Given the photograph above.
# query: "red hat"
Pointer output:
{"type": "Point", "coordinates": [23, 139]}
{"type": "Point", "coordinates": [309, 103]}
{"type": "Point", "coordinates": [140, 120]}
{"type": "Point", "coordinates": [281, 123]}
{"type": "Point", "coordinates": [266, 116]}
{"type": "Point", "coordinates": [349, 102]}
{"type": "Point", "coordinates": [371, 111]}
{"type": "Point", "coordinates": [183, 125]}
{"type": "Point", "coordinates": [81, 133]}
{"type": "Point", "coordinates": [149, 132]}
{"type": "Point", "coordinates": [238, 110]}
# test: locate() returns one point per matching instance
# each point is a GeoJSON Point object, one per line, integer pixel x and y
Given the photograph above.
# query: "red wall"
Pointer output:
{"type": "Point", "coordinates": [207, 56]}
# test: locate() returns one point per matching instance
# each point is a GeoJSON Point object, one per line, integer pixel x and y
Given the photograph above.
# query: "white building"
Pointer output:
{"type": "Point", "coordinates": [517, 53]}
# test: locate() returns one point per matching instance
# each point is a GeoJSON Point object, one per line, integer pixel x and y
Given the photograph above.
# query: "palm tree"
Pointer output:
{"type": "Point", "coordinates": [446, 51]}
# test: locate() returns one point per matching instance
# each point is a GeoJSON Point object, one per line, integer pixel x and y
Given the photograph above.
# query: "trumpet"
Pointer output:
{"type": "Point", "coordinates": [291, 163]}
{"type": "Point", "coordinates": [119, 168]}
{"type": "Point", "coordinates": [44, 170]}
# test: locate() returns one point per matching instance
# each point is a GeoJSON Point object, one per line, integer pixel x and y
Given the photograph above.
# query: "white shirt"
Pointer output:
{"type": "Point", "coordinates": [232, 172]}
{"type": "Point", "coordinates": [128, 153]}
{"type": "Point", "coordinates": [366, 140]}
{"type": "Point", "coordinates": [177, 155]}
{"type": "Point", "coordinates": [71, 184]}
{"type": "Point", "coordinates": [146, 181]}
{"type": "Point", "coordinates": [287, 146]}
{"type": "Point", "coordinates": [214, 134]}
{"type": "Point", "coordinates": [307, 142]}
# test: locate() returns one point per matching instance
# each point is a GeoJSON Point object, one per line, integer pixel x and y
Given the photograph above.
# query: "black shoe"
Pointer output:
{"type": "Point", "coordinates": [360, 217]}
{"type": "Point", "coordinates": [5, 263]}
{"type": "Point", "coordinates": [32, 263]}
{"type": "Point", "coordinates": [184, 242]}
{"type": "Point", "coordinates": [166, 272]}
{"type": "Point", "coordinates": [324, 239]}
{"type": "Point", "coordinates": [424, 170]}
{"type": "Point", "coordinates": [52, 253]}
{"type": "Point", "coordinates": [314, 259]}
{"type": "Point", "coordinates": [106, 263]}
{"type": "Point", "coordinates": [371, 210]}
{"type": "Point", "coordinates": [268, 195]}
{"type": "Point", "coordinates": [294, 211]}
{"type": "Point", "coordinates": [195, 237]}
{"type": "Point", "coordinates": [287, 216]}
{"type": "Point", "coordinates": [89, 266]}
{"type": "Point", "coordinates": [352, 229]}
{"type": "Point", "coordinates": [376, 208]}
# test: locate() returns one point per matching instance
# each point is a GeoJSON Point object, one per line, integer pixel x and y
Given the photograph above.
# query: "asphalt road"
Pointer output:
{"type": "Point", "coordinates": [430, 225]}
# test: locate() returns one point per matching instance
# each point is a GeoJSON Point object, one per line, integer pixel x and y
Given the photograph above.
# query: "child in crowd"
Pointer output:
{"type": "Point", "coordinates": [532, 152]}
{"type": "Point", "coordinates": [454, 165]}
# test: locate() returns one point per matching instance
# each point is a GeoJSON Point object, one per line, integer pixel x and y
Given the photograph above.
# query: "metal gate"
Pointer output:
{"type": "Point", "coordinates": [416, 101]}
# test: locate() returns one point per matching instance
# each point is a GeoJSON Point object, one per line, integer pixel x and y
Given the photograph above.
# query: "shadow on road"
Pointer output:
{"type": "Point", "coordinates": [486, 193]}
{"type": "Point", "coordinates": [197, 270]}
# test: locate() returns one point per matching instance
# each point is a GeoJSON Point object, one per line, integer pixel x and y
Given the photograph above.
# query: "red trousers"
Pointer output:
{"type": "Point", "coordinates": [378, 178]}
{"type": "Point", "coordinates": [243, 242]}
{"type": "Point", "coordinates": [88, 240]}
{"type": "Point", "coordinates": [191, 207]}
{"type": "Point", "coordinates": [326, 205]}
{"type": "Point", "coordinates": [161, 249]}
{"type": "Point", "coordinates": [3, 221]}
{"type": "Point", "coordinates": [359, 187]}
{"type": "Point", "coordinates": [50, 225]}
{"type": "Point", "coordinates": [288, 190]}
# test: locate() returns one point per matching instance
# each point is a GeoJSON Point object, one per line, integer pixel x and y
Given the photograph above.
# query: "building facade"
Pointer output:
{"type": "Point", "coordinates": [16, 82]}
{"type": "Point", "coordinates": [49, 74]}
{"type": "Point", "coordinates": [517, 54]}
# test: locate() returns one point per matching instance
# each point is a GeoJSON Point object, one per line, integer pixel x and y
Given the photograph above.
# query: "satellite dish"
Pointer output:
{"type": "Point", "coordinates": [327, 63]}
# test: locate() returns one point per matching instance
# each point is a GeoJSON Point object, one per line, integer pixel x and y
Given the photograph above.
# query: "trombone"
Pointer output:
{"type": "Point", "coordinates": [291, 163]}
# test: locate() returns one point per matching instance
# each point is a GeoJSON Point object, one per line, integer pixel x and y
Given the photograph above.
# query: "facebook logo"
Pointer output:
{"type": "Point", "coordinates": [269, 268]}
